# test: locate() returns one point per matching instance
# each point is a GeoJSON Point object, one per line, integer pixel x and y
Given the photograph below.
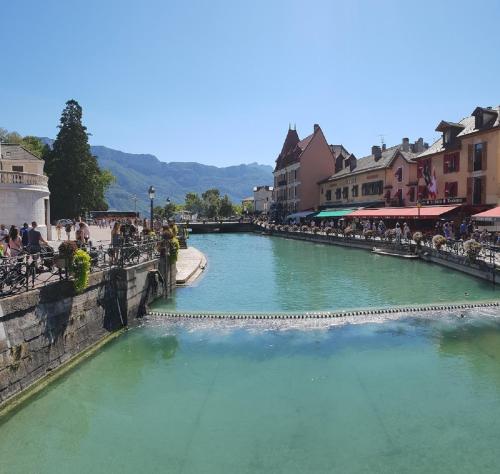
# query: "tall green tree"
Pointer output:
{"type": "Point", "coordinates": [211, 203]}
{"type": "Point", "coordinates": [193, 203]}
{"type": "Point", "coordinates": [76, 182]}
{"type": "Point", "coordinates": [226, 208]}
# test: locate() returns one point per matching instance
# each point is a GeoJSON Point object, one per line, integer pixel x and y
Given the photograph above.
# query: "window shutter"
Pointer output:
{"type": "Point", "coordinates": [485, 156]}
{"type": "Point", "coordinates": [483, 189]}
{"type": "Point", "coordinates": [457, 161]}
{"type": "Point", "coordinates": [446, 159]}
{"type": "Point", "coordinates": [469, 190]}
{"type": "Point", "coordinates": [470, 150]}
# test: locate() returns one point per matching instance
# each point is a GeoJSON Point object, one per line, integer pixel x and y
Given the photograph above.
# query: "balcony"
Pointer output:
{"type": "Point", "coordinates": [27, 179]}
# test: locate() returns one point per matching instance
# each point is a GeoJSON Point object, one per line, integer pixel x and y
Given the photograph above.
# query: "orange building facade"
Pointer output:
{"type": "Point", "coordinates": [299, 167]}
{"type": "Point", "coordinates": [462, 167]}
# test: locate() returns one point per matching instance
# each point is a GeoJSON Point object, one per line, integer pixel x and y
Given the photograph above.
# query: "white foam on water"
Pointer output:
{"type": "Point", "coordinates": [284, 322]}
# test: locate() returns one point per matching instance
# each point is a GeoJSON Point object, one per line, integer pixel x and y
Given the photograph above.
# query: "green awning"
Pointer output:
{"type": "Point", "coordinates": [335, 213]}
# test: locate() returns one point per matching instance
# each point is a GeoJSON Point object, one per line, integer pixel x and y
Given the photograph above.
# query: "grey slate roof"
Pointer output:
{"type": "Point", "coordinates": [469, 123]}
{"type": "Point", "coordinates": [11, 151]}
{"type": "Point", "coordinates": [339, 149]}
{"type": "Point", "coordinates": [368, 163]}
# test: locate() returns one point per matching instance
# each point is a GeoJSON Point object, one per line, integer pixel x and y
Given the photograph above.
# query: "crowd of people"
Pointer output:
{"type": "Point", "coordinates": [450, 230]}
{"type": "Point", "coordinates": [14, 241]}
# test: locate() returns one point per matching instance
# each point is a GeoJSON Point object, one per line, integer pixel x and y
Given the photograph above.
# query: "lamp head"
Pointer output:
{"type": "Point", "coordinates": [151, 192]}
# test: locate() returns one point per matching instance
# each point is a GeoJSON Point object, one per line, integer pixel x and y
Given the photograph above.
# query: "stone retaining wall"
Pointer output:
{"type": "Point", "coordinates": [42, 329]}
{"type": "Point", "coordinates": [456, 262]}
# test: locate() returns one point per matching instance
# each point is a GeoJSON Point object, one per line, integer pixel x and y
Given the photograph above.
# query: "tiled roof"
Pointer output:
{"type": "Point", "coordinates": [368, 163]}
{"type": "Point", "coordinates": [11, 151]}
{"type": "Point", "coordinates": [292, 149]}
{"type": "Point", "coordinates": [469, 124]}
{"type": "Point", "coordinates": [303, 143]}
{"type": "Point", "coordinates": [339, 149]}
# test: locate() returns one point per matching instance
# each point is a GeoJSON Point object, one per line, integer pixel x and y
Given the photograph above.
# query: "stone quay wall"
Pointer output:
{"type": "Point", "coordinates": [459, 263]}
{"type": "Point", "coordinates": [44, 328]}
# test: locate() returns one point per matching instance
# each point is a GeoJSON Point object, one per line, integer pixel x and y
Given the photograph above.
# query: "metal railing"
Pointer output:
{"type": "Point", "coordinates": [30, 270]}
{"type": "Point", "coordinates": [14, 177]}
{"type": "Point", "coordinates": [488, 254]}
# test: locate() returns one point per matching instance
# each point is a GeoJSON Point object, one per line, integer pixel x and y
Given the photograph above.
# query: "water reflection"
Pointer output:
{"type": "Point", "coordinates": [477, 342]}
{"type": "Point", "coordinates": [249, 272]}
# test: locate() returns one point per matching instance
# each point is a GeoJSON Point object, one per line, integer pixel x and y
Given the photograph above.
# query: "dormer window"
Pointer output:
{"type": "Point", "coordinates": [484, 117]}
{"type": "Point", "coordinates": [450, 131]}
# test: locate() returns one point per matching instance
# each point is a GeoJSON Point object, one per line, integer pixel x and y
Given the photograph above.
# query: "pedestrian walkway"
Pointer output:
{"type": "Point", "coordinates": [190, 265]}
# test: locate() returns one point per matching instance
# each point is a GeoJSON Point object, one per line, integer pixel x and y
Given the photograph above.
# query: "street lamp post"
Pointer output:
{"type": "Point", "coordinates": [151, 193]}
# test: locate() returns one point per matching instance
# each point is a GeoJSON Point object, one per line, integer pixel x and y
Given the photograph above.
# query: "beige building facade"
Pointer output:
{"type": "Point", "coordinates": [386, 177]}
{"type": "Point", "coordinates": [462, 166]}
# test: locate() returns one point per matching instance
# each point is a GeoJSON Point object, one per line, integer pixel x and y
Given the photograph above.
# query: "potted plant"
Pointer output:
{"type": "Point", "coordinates": [438, 241]}
{"type": "Point", "coordinates": [472, 249]}
{"type": "Point", "coordinates": [66, 252]}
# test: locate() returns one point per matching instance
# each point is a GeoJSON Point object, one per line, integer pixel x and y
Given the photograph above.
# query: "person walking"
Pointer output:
{"type": "Point", "coordinates": [35, 239]}
{"type": "Point", "coordinates": [406, 232]}
{"type": "Point", "coordinates": [24, 234]}
{"type": "Point", "coordinates": [58, 230]}
{"type": "Point", "coordinates": [398, 233]}
{"type": "Point", "coordinates": [3, 232]}
{"type": "Point", "coordinates": [15, 243]}
{"type": "Point", "coordinates": [67, 229]}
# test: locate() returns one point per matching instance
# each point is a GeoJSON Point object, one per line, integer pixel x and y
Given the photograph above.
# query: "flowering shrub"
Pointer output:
{"type": "Point", "coordinates": [418, 237]}
{"type": "Point", "coordinates": [67, 249]}
{"type": "Point", "coordinates": [304, 228]}
{"type": "Point", "coordinates": [295, 228]}
{"type": "Point", "coordinates": [368, 234]}
{"type": "Point", "coordinates": [316, 230]}
{"type": "Point", "coordinates": [328, 230]}
{"type": "Point", "coordinates": [438, 241]}
{"type": "Point", "coordinates": [174, 247]}
{"type": "Point", "coordinates": [390, 234]}
{"type": "Point", "coordinates": [472, 249]}
{"type": "Point", "coordinates": [81, 270]}
{"type": "Point", "coordinates": [348, 230]}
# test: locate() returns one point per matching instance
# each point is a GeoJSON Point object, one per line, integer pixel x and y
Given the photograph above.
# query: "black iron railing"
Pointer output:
{"type": "Point", "coordinates": [33, 269]}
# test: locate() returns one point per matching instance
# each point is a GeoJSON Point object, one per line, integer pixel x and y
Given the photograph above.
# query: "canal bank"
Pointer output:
{"type": "Point", "coordinates": [48, 327]}
{"type": "Point", "coordinates": [460, 263]}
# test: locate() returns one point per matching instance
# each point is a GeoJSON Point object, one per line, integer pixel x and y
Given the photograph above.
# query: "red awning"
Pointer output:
{"type": "Point", "coordinates": [490, 214]}
{"type": "Point", "coordinates": [426, 212]}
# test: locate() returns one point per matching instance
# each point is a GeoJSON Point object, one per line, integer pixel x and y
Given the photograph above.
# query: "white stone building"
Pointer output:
{"type": "Point", "coordinates": [262, 199]}
{"type": "Point", "coordinates": [24, 192]}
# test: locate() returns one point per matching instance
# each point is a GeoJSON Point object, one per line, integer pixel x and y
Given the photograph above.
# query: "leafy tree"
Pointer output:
{"type": "Point", "coordinates": [32, 144]}
{"type": "Point", "coordinates": [226, 207]}
{"type": "Point", "coordinates": [76, 182]}
{"type": "Point", "coordinates": [247, 207]}
{"type": "Point", "coordinates": [211, 203]}
{"type": "Point", "coordinates": [193, 203]}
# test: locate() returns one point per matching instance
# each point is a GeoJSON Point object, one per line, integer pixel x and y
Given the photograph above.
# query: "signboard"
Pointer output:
{"type": "Point", "coordinates": [437, 202]}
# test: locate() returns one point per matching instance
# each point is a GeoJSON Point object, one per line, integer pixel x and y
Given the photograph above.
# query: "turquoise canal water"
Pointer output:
{"type": "Point", "coordinates": [408, 396]}
{"type": "Point", "coordinates": [255, 273]}
{"type": "Point", "coordinates": [364, 395]}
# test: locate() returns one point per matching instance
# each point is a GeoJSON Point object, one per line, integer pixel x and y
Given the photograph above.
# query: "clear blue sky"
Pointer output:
{"type": "Point", "coordinates": [219, 81]}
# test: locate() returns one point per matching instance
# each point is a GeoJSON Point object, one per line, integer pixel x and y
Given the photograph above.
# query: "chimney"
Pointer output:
{"type": "Point", "coordinates": [352, 162]}
{"type": "Point", "coordinates": [316, 127]}
{"type": "Point", "coordinates": [405, 146]}
{"type": "Point", "coordinates": [419, 145]}
{"type": "Point", "coordinates": [384, 147]}
{"type": "Point", "coordinates": [376, 152]}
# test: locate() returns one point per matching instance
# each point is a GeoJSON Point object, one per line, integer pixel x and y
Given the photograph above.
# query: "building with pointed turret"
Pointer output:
{"type": "Point", "coordinates": [299, 167]}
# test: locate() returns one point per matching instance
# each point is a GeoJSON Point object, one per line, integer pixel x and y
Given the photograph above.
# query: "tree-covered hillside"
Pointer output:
{"type": "Point", "coordinates": [134, 174]}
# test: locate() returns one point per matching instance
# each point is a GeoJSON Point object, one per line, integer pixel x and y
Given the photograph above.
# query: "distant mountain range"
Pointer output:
{"type": "Point", "coordinates": [136, 172]}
